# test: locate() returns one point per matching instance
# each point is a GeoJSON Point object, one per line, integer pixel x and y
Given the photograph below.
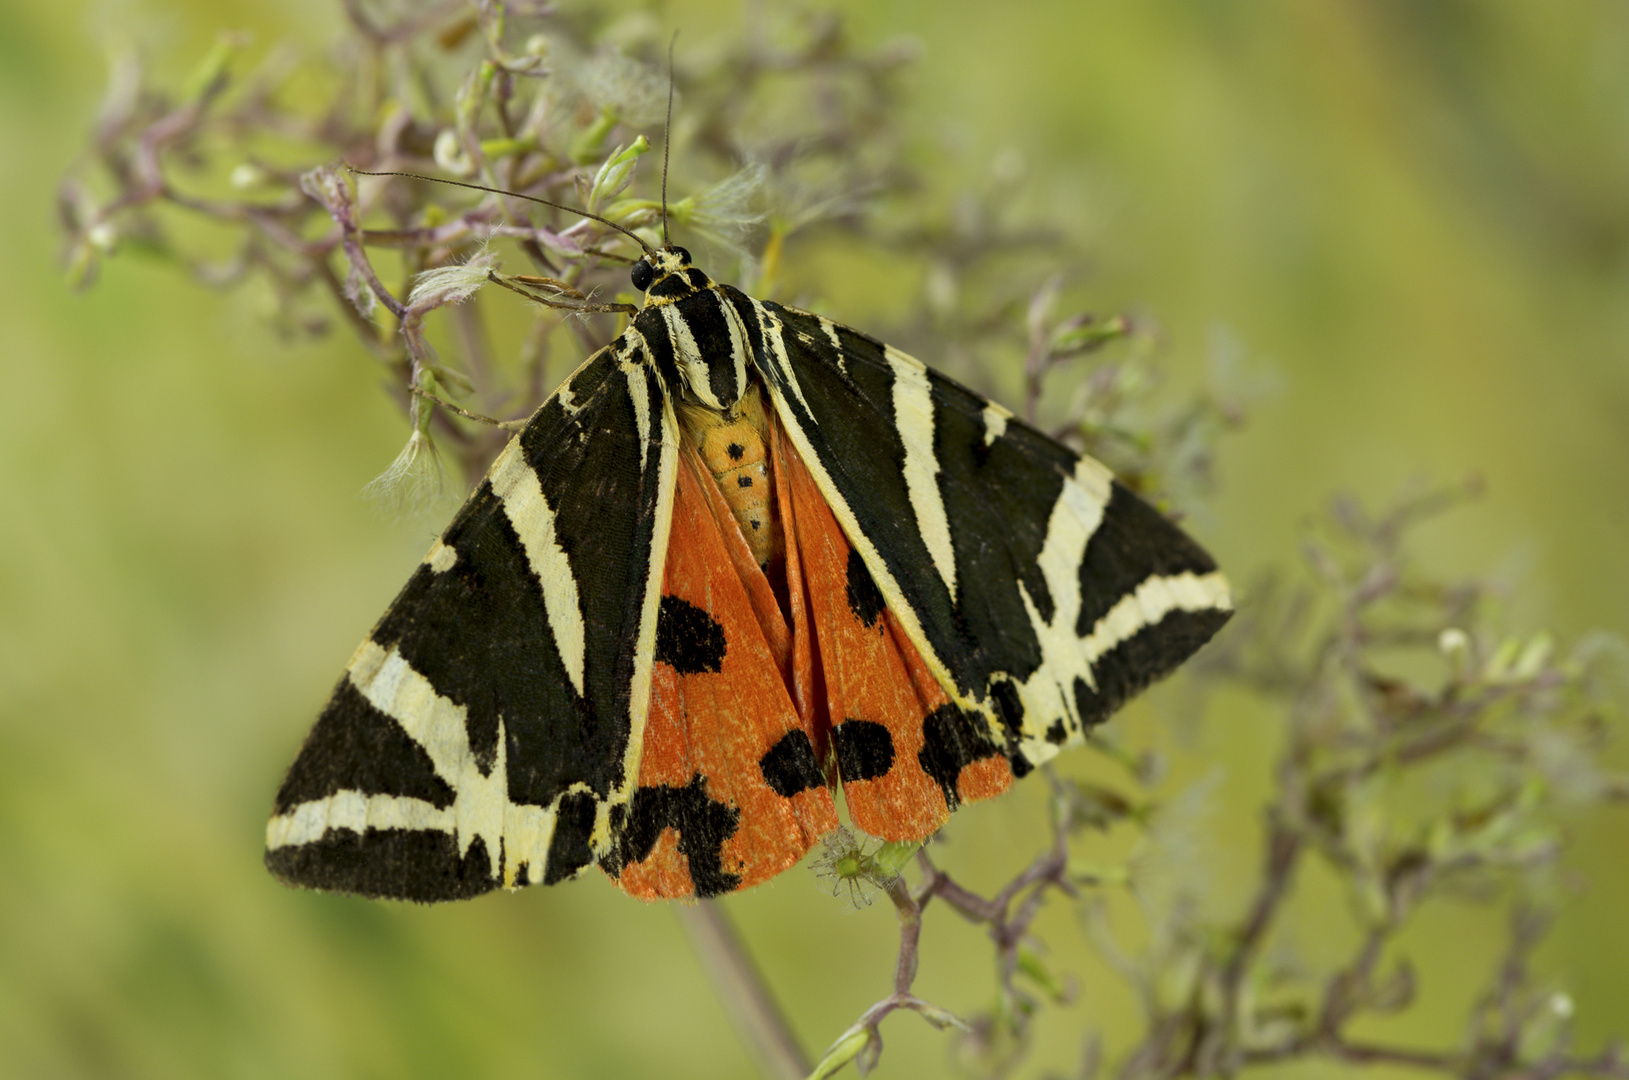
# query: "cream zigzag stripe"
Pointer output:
{"type": "Point", "coordinates": [913, 419]}
{"type": "Point", "coordinates": [481, 806]}
{"type": "Point", "coordinates": [1148, 603]}
{"type": "Point", "coordinates": [517, 486]}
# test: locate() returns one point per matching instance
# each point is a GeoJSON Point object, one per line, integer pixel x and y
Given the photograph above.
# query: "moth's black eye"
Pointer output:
{"type": "Point", "coordinates": [682, 253]}
{"type": "Point", "coordinates": [642, 275]}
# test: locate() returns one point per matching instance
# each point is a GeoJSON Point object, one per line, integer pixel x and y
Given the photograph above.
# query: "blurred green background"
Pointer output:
{"type": "Point", "coordinates": [1416, 213]}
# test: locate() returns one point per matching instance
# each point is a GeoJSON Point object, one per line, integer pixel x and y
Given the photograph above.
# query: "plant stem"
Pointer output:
{"type": "Point", "coordinates": [741, 989]}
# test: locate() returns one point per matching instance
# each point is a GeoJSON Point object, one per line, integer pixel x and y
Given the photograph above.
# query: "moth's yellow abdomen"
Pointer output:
{"type": "Point", "coordinates": [735, 449]}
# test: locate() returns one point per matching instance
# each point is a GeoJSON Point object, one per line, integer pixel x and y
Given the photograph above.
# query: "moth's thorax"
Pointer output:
{"type": "Point", "coordinates": [695, 335]}
{"type": "Point", "coordinates": [672, 277]}
{"type": "Point", "coordinates": [734, 446]}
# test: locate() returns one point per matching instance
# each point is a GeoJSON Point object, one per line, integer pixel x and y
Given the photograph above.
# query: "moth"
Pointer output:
{"type": "Point", "coordinates": [742, 559]}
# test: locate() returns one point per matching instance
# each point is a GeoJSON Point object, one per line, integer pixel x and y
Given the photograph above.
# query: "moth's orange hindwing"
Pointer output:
{"type": "Point", "coordinates": [906, 754]}
{"type": "Point", "coordinates": [730, 792]}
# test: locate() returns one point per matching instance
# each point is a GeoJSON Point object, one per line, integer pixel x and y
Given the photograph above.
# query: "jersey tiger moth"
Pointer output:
{"type": "Point", "coordinates": [741, 556]}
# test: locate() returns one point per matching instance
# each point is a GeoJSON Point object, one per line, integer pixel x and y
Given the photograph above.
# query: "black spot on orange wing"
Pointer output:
{"type": "Point", "coordinates": [864, 598]}
{"type": "Point", "coordinates": [865, 750]}
{"type": "Point", "coordinates": [687, 638]}
{"type": "Point", "coordinates": [735, 450]}
{"type": "Point", "coordinates": [790, 766]}
{"type": "Point", "coordinates": [703, 825]}
{"type": "Point", "coordinates": [953, 739]}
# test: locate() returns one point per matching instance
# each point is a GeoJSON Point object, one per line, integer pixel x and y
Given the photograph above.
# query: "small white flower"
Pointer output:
{"type": "Point", "coordinates": [247, 175]}
{"type": "Point", "coordinates": [102, 236]}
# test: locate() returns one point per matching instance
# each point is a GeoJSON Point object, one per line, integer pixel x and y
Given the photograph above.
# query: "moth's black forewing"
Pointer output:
{"type": "Point", "coordinates": [475, 624]}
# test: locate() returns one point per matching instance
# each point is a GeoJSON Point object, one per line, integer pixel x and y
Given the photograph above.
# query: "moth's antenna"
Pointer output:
{"type": "Point", "coordinates": [529, 198]}
{"type": "Point", "coordinates": [667, 131]}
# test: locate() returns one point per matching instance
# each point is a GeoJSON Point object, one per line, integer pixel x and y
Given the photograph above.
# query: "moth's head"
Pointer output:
{"type": "Point", "coordinates": [665, 274]}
